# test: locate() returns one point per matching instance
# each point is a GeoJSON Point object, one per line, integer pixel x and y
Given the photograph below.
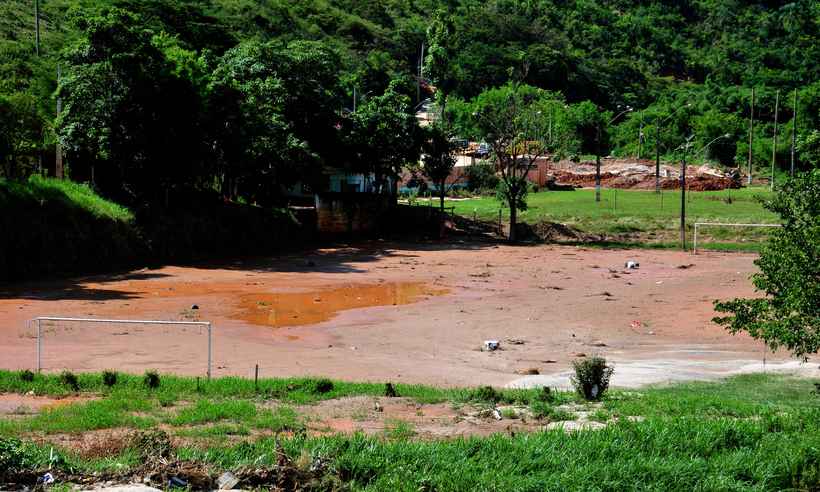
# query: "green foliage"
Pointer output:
{"type": "Point", "coordinates": [591, 378]}
{"type": "Point", "coordinates": [14, 457]}
{"type": "Point", "coordinates": [151, 380]}
{"type": "Point", "coordinates": [438, 158]}
{"type": "Point", "coordinates": [789, 314]}
{"type": "Point", "coordinates": [69, 379]}
{"type": "Point", "coordinates": [481, 176]}
{"type": "Point", "coordinates": [109, 378]}
{"type": "Point", "coordinates": [26, 376]}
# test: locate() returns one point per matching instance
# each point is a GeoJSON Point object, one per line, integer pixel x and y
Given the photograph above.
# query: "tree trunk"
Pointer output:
{"type": "Point", "coordinates": [441, 193]}
{"type": "Point", "coordinates": [513, 220]}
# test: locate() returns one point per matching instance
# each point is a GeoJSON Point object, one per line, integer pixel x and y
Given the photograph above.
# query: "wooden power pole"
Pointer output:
{"type": "Point", "coordinates": [751, 131]}
{"type": "Point", "coordinates": [774, 136]}
{"type": "Point", "coordinates": [794, 132]}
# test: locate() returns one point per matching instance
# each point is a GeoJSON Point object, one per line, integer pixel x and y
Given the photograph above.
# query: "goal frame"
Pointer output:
{"type": "Point", "coordinates": [37, 322]}
{"type": "Point", "coordinates": [722, 224]}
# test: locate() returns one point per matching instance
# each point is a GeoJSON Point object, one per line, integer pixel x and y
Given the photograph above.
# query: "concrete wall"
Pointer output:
{"type": "Point", "coordinates": [350, 212]}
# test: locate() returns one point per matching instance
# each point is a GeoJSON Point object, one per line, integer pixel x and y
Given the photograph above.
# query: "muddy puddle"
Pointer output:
{"type": "Point", "coordinates": [306, 308]}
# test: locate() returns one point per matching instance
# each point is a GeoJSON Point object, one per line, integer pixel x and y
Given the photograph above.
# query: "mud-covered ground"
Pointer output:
{"type": "Point", "coordinates": [405, 312]}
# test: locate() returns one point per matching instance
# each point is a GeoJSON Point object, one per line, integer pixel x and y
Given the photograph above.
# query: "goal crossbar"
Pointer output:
{"type": "Point", "coordinates": [719, 224]}
{"type": "Point", "coordinates": [37, 323]}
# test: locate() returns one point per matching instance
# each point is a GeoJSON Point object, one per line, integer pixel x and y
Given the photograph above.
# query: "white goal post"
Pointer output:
{"type": "Point", "coordinates": [37, 324]}
{"type": "Point", "coordinates": [722, 224]}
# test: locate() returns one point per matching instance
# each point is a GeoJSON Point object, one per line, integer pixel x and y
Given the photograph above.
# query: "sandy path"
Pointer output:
{"type": "Point", "coordinates": [560, 301]}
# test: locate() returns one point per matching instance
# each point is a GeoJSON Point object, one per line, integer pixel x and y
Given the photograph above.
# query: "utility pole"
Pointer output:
{"type": "Point", "coordinates": [640, 135]}
{"type": "Point", "coordinates": [58, 154]}
{"type": "Point", "coordinates": [657, 157]}
{"type": "Point", "coordinates": [774, 136]}
{"type": "Point", "coordinates": [598, 162]}
{"type": "Point", "coordinates": [421, 72]}
{"type": "Point", "coordinates": [683, 194]}
{"type": "Point", "coordinates": [794, 132]}
{"type": "Point", "coordinates": [751, 129]}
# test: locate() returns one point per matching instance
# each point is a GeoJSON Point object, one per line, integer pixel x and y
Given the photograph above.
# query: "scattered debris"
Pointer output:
{"type": "Point", "coordinates": [516, 341]}
{"type": "Point", "coordinates": [580, 354]}
{"type": "Point", "coordinates": [597, 343]}
{"type": "Point", "coordinates": [496, 414]}
{"type": "Point", "coordinates": [687, 266]}
{"type": "Point", "coordinates": [549, 361]}
{"type": "Point", "coordinates": [491, 345]}
{"type": "Point", "coordinates": [530, 371]}
{"type": "Point", "coordinates": [378, 406]}
{"type": "Point", "coordinates": [631, 265]}
{"type": "Point", "coordinates": [227, 481]}
{"type": "Point", "coordinates": [194, 306]}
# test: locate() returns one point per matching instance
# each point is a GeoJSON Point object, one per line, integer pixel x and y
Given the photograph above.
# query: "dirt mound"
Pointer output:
{"type": "Point", "coordinates": [552, 232]}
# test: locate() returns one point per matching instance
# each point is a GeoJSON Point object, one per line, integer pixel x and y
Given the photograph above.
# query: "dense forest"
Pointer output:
{"type": "Point", "coordinates": [242, 97]}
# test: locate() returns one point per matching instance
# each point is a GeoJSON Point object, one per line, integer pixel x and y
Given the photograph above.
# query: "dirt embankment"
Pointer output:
{"type": "Point", "coordinates": [640, 174]}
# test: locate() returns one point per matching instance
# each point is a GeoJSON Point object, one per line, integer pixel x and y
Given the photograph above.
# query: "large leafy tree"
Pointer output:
{"type": "Point", "coordinates": [20, 134]}
{"type": "Point", "coordinates": [273, 111]}
{"type": "Point", "coordinates": [384, 136]}
{"type": "Point", "coordinates": [127, 112]}
{"type": "Point", "coordinates": [788, 314]}
{"type": "Point", "coordinates": [438, 159]}
{"type": "Point", "coordinates": [512, 120]}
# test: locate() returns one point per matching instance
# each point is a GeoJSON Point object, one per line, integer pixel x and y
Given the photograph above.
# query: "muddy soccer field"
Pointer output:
{"type": "Point", "coordinates": [406, 312]}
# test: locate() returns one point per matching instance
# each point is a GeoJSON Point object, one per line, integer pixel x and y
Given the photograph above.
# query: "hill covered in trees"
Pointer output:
{"type": "Point", "coordinates": [246, 97]}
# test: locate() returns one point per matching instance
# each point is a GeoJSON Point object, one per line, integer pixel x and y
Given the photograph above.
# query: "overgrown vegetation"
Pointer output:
{"type": "Point", "coordinates": [748, 432]}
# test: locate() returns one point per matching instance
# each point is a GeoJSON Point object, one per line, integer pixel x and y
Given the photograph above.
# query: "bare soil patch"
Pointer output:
{"type": "Point", "coordinates": [540, 294]}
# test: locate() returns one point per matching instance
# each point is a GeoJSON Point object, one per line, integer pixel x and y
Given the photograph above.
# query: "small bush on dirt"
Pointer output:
{"type": "Point", "coordinates": [390, 390]}
{"type": "Point", "coordinates": [26, 376]}
{"type": "Point", "coordinates": [546, 395]}
{"type": "Point", "coordinates": [109, 378]}
{"type": "Point", "coordinates": [591, 379]}
{"type": "Point", "coordinates": [68, 378]}
{"type": "Point", "coordinates": [152, 444]}
{"type": "Point", "coordinates": [322, 386]}
{"type": "Point", "coordinates": [486, 394]}
{"type": "Point", "coordinates": [544, 411]}
{"type": "Point", "coordinates": [151, 379]}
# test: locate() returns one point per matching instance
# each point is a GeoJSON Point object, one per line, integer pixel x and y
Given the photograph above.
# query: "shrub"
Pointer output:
{"type": "Point", "coordinates": [545, 395]}
{"type": "Point", "coordinates": [486, 394]}
{"type": "Point", "coordinates": [481, 176]}
{"type": "Point", "coordinates": [323, 385]}
{"type": "Point", "coordinates": [390, 390]}
{"type": "Point", "coordinates": [151, 379]}
{"type": "Point", "coordinates": [14, 457]}
{"type": "Point", "coordinates": [591, 379]}
{"type": "Point", "coordinates": [69, 379]}
{"type": "Point", "coordinates": [109, 378]}
{"type": "Point", "coordinates": [26, 376]}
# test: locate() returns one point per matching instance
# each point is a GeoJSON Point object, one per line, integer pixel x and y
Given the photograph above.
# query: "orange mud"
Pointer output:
{"type": "Point", "coordinates": [307, 308]}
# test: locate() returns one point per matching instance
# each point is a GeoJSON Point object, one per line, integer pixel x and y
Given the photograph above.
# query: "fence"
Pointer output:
{"type": "Point", "coordinates": [698, 225]}
{"type": "Point", "coordinates": [44, 324]}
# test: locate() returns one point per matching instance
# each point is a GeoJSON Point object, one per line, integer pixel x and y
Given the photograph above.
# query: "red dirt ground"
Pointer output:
{"type": "Point", "coordinates": [433, 305]}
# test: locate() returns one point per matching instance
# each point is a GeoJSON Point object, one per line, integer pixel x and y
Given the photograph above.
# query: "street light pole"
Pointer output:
{"type": "Point", "coordinates": [683, 194]}
{"type": "Point", "coordinates": [658, 147]}
{"type": "Point", "coordinates": [598, 152]}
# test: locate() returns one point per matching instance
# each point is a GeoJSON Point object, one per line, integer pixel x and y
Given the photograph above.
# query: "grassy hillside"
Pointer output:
{"type": "Point", "coordinates": [753, 432]}
{"type": "Point", "coordinates": [53, 227]}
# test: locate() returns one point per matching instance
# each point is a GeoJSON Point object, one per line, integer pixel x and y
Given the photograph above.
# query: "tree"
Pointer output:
{"type": "Point", "coordinates": [20, 135]}
{"type": "Point", "coordinates": [789, 314]}
{"type": "Point", "coordinates": [127, 111]}
{"type": "Point", "coordinates": [273, 111]}
{"type": "Point", "coordinates": [438, 158]}
{"type": "Point", "coordinates": [511, 119]}
{"type": "Point", "coordinates": [384, 137]}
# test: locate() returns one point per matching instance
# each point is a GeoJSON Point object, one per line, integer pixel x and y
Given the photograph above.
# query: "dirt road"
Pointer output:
{"type": "Point", "coordinates": [403, 312]}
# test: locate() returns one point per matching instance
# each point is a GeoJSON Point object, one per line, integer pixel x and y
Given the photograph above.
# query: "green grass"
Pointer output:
{"type": "Point", "coordinates": [750, 432]}
{"type": "Point", "coordinates": [629, 216]}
